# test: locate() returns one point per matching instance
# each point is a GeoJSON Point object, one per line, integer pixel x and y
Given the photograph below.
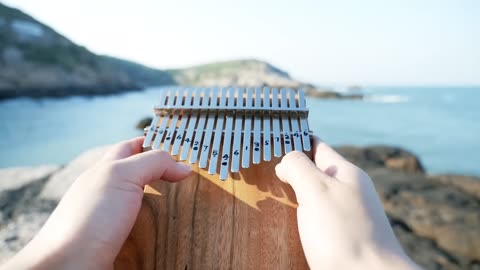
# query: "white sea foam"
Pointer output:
{"type": "Point", "coordinates": [385, 98]}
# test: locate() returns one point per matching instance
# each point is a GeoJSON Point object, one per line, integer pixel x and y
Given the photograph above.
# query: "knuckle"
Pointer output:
{"type": "Point", "coordinates": [322, 146]}
{"type": "Point", "coordinates": [116, 148]}
{"type": "Point", "coordinates": [161, 153]}
{"type": "Point", "coordinates": [162, 156]}
{"type": "Point", "coordinates": [114, 168]}
{"type": "Point", "coordinates": [295, 156]}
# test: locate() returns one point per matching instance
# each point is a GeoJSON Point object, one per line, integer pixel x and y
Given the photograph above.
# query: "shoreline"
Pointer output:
{"type": "Point", "coordinates": [65, 92]}
{"type": "Point", "coordinates": [60, 93]}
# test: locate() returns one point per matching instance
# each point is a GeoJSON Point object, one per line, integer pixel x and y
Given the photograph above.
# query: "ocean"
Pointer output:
{"type": "Point", "coordinates": [439, 124]}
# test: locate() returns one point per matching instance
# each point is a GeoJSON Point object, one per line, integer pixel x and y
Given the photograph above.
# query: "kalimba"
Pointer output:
{"type": "Point", "coordinates": [233, 213]}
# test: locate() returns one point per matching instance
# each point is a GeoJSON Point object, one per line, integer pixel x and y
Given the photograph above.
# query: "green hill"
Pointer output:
{"type": "Point", "coordinates": [246, 72]}
{"type": "Point", "coordinates": [35, 60]}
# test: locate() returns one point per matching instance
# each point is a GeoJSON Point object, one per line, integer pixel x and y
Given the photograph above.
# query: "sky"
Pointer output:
{"type": "Point", "coordinates": [369, 42]}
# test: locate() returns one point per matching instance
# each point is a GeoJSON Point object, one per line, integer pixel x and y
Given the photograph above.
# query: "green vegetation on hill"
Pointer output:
{"type": "Point", "coordinates": [245, 72]}
{"type": "Point", "coordinates": [51, 49]}
{"type": "Point", "coordinates": [229, 66]}
{"type": "Point", "coordinates": [9, 13]}
{"type": "Point", "coordinates": [38, 61]}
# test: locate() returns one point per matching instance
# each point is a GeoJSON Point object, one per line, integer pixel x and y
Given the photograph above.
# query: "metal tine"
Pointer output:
{"type": "Point", "coordinates": [200, 127]}
{"type": "Point", "coordinates": [304, 122]}
{"type": "Point", "coordinates": [248, 130]}
{"type": "Point", "coordinates": [212, 168]}
{"type": "Point", "coordinates": [153, 126]}
{"type": "Point", "coordinates": [147, 141]}
{"type": "Point", "coordinates": [294, 122]}
{"type": "Point", "coordinates": [183, 121]}
{"type": "Point", "coordinates": [207, 140]}
{"type": "Point", "coordinates": [277, 136]}
{"type": "Point", "coordinates": [191, 125]}
{"type": "Point", "coordinates": [267, 145]}
{"type": "Point", "coordinates": [161, 129]}
{"type": "Point", "coordinates": [287, 142]}
{"type": "Point", "coordinates": [257, 128]}
{"type": "Point", "coordinates": [237, 139]}
{"type": "Point", "coordinates": [227, 136]}
{"type": "Point", "coordinates": [173, 123]}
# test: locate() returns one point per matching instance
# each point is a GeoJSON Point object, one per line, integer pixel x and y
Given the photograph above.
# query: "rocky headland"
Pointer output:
{"type": "Point", "coordinates": [436, 217]}
{"type": "Point", "coordinates": [36, 61]}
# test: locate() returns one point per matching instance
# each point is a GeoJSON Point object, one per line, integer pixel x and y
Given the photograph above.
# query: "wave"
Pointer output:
{"type": "Point", "coordinates": [386, 98]}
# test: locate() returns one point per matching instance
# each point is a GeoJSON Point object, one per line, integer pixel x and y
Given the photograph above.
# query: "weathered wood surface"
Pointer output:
{"type": "Point", "coordinates": [245, 222]}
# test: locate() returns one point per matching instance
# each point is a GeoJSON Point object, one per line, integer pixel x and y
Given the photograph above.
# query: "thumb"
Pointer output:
{"type": "Point", "coordinates": [146, 167]}
{"type": "Point", "coordinates": [303, 175]}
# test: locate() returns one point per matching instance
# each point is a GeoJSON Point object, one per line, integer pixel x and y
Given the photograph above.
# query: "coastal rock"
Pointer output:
{"type": "Point", "coordinates": [21, 213]}
{"type": "Point", "coordinates": [19, 186]}
{"type": "Point", "coordinates": [436, 218]}
{"type": "Point", "coordinates": [407, 164]}
{"type": "Point", "coordinates": [60, 181]}
{"type": "Point", "coordinates": [329, 94]}
{"type": "Point", "coordinates": [143, 123]}
{"type": "Point", "coordinates": [433, 211]}
{"type": "Point", "coordinates": [18, 177]}
{"type": "Point", "coordinates": [15, 234]}
{"type": "Point", "coordinates": [393, 158]}
{"type": "Point", "coordinates": [424, 251]}
{"type": "Point", "coordinates": [467, 184]}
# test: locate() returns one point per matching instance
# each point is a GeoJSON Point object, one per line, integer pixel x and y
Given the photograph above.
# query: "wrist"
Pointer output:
{"type": "Point", "coordinates": [40, 254]}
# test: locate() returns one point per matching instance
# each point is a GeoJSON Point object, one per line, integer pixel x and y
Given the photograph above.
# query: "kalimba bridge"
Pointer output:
{"type": "Point", "coordinates": [229, 127]}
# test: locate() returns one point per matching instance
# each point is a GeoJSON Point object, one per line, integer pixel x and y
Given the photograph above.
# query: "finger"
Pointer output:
{"type": "Point", "coordinates": [323, 152]}
{"type": "Point", "coordinates": [124, 149]}
{"type": "Point", "coordinates": [306, 179]}
{"type": "Point", "coordinates": [147, 167]}
{"type": "Point", "coordinates": [332, 163]}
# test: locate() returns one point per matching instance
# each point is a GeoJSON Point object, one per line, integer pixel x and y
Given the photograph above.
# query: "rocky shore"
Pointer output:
{"type": "Point", "coordinates": [436, 217]}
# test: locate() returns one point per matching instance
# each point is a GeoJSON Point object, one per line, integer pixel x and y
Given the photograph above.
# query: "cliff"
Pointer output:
{"type": "Point", "coordinates": [37, 61]}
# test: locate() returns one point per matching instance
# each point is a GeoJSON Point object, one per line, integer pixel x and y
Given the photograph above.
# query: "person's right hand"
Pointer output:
{"type": "Point", "coordinates": [341, 221]}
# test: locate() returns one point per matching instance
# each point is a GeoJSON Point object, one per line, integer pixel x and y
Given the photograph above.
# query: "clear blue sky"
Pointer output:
{"type": "Point", "coordinates": [376, 42]}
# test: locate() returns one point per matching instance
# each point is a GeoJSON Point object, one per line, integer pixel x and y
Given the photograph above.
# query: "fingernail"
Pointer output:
{"type": "Point", "coordinates": [183, 167]}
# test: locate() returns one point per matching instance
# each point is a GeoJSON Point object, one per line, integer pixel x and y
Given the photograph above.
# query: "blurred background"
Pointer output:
{"type": "Point", "coordinates": [394, 86]}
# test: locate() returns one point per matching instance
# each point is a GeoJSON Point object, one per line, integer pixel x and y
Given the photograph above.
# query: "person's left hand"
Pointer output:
{"type": "Point", "coordinates": [95, 216]}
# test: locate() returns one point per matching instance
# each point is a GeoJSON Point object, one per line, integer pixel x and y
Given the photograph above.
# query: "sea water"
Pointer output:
{"type": "Point", "coordinates": [439, 124]}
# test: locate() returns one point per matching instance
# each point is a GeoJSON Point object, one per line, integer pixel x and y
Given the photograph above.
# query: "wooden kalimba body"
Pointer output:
{"type": "Point", "coordinates": [233, 212]}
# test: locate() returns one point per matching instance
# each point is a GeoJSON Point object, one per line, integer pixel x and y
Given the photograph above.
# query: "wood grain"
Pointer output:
{"type": "Point", "coordinates": [245, 222]}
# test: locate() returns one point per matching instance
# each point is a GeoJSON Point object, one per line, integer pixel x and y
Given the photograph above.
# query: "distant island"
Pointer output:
{"type": "Point", "coordinates": [36, 61]}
